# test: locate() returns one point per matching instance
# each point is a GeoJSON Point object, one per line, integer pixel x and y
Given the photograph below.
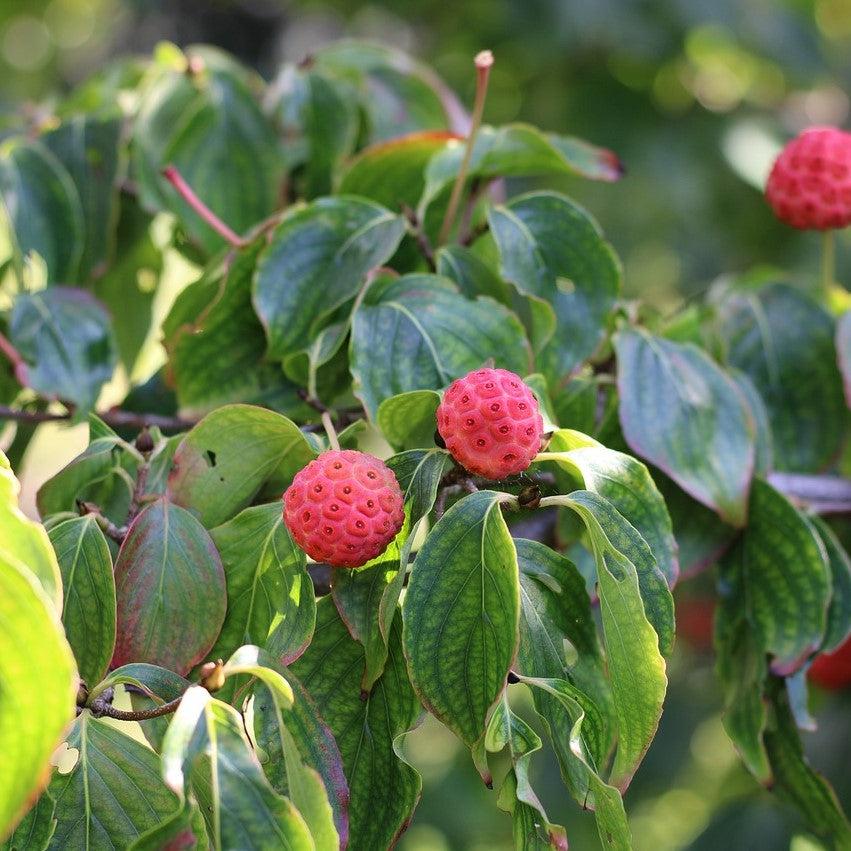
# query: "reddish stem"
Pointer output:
{"type": "Point", "coordinates": [173, 176]}
{"type": "Point", "coordinates": [18, 363]}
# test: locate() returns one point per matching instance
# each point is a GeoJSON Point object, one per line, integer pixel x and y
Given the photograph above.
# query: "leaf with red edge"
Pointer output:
{"type": "Point", "coordinates": [170, 589]}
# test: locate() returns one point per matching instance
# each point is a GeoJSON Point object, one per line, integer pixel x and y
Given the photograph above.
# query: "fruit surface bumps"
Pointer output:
{"type": "Point", "coordinates": [490, 422]}
{"type": "Point", "coordinates": [344, 508]}
{"type": "Point", "coordinates": [810, 183]}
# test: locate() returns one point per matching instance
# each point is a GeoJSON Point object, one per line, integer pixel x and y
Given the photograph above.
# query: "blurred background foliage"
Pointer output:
{"type": "Point", "coordinates": [696, 97]}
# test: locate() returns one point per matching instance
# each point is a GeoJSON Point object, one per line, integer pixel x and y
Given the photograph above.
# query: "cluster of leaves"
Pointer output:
{"type": "Point", "coordinates": [329, 290]}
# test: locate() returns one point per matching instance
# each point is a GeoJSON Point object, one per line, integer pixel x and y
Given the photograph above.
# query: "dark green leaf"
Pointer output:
{"type": "Point", "coordinates": [317, 260]}
{"type": "Point", "coordinates": [304, 783]}
{"type": "Point", "coordinates": [66, 338]}
{"type": "Point", "coordinates": [34, 831]}
{"type": "Point", "coordinates": [43, 208]}
{"type": "Point", "coordinates": [88, 610]}
{"type": "Point", "coordinates": [216, 344]}
{"type": "Point", "coordinates": [384, 789]}
{"type": "Point", "coordinates": [741, 667]}
{"type": "Point", "coordinates": [785, 578]}
{"type": "Point", "coordinates": [626, 483]}
{"type": "Point", "coordinates": [532, 828]}
{"type": "Point", "coordinates": [552, 249]}
{"type": "Point", "coordinates": [393, 173]}
{"type": "Point", "coordinates": [679, 411]}
{"type": "Point", "coordinates": [112, 794]}
{"type": "Point", "coordinates": [170, 589]}
{"type": "Point", "coordinates": [223, 461]}
{"type": "Point", "coordinates": [776, 335]}
{"type": "Point", "coordinates": [102, 474]}
{"type": "Point", "coordinates": [636, 666]}
{"type": "Point", "coordinates": [839, 611]}
{"type": "Point", "coordinates": [408, 421]}
{"type": "Point", "coordinates": [558, 639]}
{"type": "Point", "coordinates": [461, 616]}
{"type": "Point", "coordinates": [517, 150]}
{"type": "Point", "coordinates": [795, 780]}
{"type": "Point", "coordinates": [417, 333]}
{"type": "Point", "coordinates": [206, 745]}
{"type": "Point", "coordinates": [88, 147]}
{"type": "Point", "coordinates": [399, 95]}
{"type": "Point", "coordinates": [227, 152]}
{"type": "Point", "coordinates": [313, 739]}
{"type": "Point", "coordinates": [764, 441]}
{"type": "Point", "coordinates": [183, 829]}
{"type": "Point", "coordinates": [270, 595]}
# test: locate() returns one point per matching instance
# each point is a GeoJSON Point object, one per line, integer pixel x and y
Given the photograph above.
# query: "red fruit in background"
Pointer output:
{"type": "Point", "coordinates": [696, 621]}
{"type": "Point", "coordinates": [344, 508]}
{"type": "Point", "coordinates": [490, 422]}
{"type": "Point", "coordinates": [810, 184]}
{"type": "Point", "coordinates": [832, 670]}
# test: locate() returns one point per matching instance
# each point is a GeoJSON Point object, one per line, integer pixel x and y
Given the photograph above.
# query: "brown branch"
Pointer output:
{"type": "Point", "coordinates": [101, 708]}
{"type": "Point", "coordinates": [115, 418]}
{"type": "Point", "coordinates": [117, 533]}
{"type": "Point", "coordinates": [821, 494]}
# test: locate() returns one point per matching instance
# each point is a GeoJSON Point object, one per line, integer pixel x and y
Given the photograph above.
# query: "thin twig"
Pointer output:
{"type": "Point", "coordinates": [117, 533]}
{"type": "Point", "coordinates": [821, 494]}
{"type": "Point", "coordinates": [115, 418]}
{"type": "Point", "coordinates": [483, 63]}
{"type": "Point", "coordinates": [106, 709]}
{"type": "Point", "coordinates": [330, 431]}
{"type": "Point", "coordinates": [174, 177]}
{"type": "Point", "coordinates": [19, 365]}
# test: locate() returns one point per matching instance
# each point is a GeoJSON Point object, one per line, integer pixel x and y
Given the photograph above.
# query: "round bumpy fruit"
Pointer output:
{"type": "Point", "coordinates": [833, 670]}
{"type": "Point", "coordinates": [490, 422]}
{"type": "Point", "coordinates": [810, 184]}
{"type": "Point", "coordinates": [344, 508]}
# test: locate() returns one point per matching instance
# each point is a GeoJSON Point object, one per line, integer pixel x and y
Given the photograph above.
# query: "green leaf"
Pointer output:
{"type": "Point", "coordinates": [43, 208]}
{"type": "Point", "coordinates": [785, 579]}
{"type": "Point", "coordinates": [129, 286]}
{"type": "Point", "coordinates": [636, 666]}
{"type": "Point", "coordinates": [794, 779]}
{"type": "Point", "coordinates": [408, 420]}
{"type": "Point", "coordinates": [552, 249]}
{"type": "Point", "coordinates": [626, 483]}
{"type": "Point", "coordinates": [223, 461]}
{"type": "Point", "coordinates": [764, 441]}
{"type": "Point", "coordinates": [35, 829]}
{"type": "Point", "coordinates": [24, 541]}
{"type": "Point", "coordinates": [461, 615]}
{"type": "Point", "coordinates": [227, 152]}
{"type": "Point", "coordinates": [216, 344]}
{"type": "Point", "coordinates": [88, 147]}
{"type": "Point", "coordinates": [516, 150]}
{"type": "Point", "coordinates": [170, 590]}
{"type": "Point", "coordinates": [88, 610]}
{"type": "Point", "coordinates": [112, 794]}
{"type": "Point", "coordinates": [270, 594]}
{"type": "Point", "coordinates": [103, 474]}
{"type": "Point", "coordinates": [183, 829]}
{"type": "Point", "coordinates": [843, 351]}
{"type": "Point", "coordinates": [679, 411]}
{"type": "Point", "coordinates": [384, 788]}
{"type": "Point", "coordinates": [398, 94]}
{"type": "Point", "coordinates": [317, 261]}
{"type": "Point", "coordinates": [475, 278]}
{"type": "Point", "coordinates": [39, 685]}
{"type": "Point", "coordinates": [558, 639]}
{"type": "Point", "coordinates": [417, 333]}
{"type": "Point", "coordinates": [65, 337]}
{"type": "Point", "coordinates": [839, 611]}
{"type": "Point", "coordinates": [392, 173]}
{"type": "Point", "coordinates": [313, 739]}
{"type": "Point", "coordinates": [206, 744]}
{"type": "Point", "coordinates": [741, 668]}
{"type": "Point", "coordinates": [776, 335]}
{"type": "Point", "coordinates": [303, 782]}
{"type": "Point", "coordinates": [606, 800]}
{"type": "Point", "coordinates": [532, 828]}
